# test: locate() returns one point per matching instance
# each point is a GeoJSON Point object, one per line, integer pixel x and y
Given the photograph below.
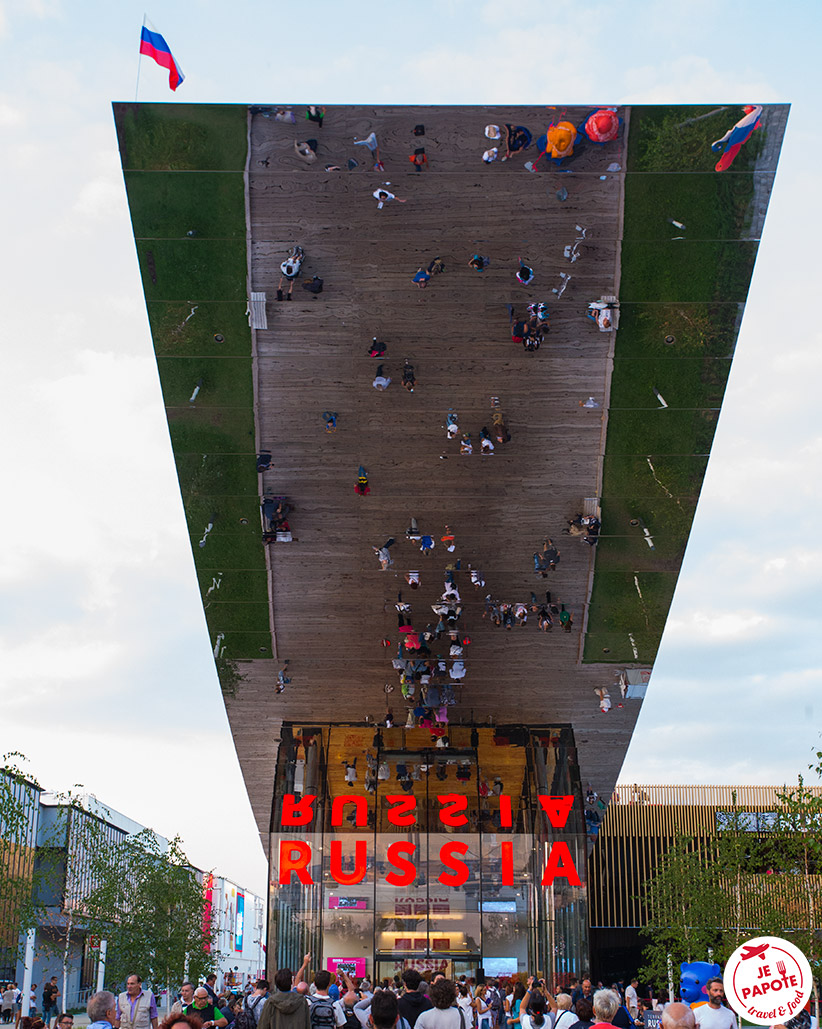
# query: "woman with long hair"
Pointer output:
{"type": "Point", "coordinates": [482, 1009]}
{"type": "Point", "coordinates": [536, 1016]}
{"type": "Point", "coordinates": [516, 1001]}
{"type": "Point", "coordinates": [465, 1003]}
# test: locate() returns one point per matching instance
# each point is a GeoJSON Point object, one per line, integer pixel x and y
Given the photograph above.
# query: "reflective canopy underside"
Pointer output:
{"type": "Point", "coordinates": [218, 196]}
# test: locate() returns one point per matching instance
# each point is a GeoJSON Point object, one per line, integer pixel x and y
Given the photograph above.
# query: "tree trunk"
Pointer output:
{"type": "Point", "coordinates": [69, 924]}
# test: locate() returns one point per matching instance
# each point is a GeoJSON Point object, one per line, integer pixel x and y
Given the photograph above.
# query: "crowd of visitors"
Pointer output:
{"type": "Point", "coordinates": [411, 1000]}
{"type": "Point", "coordinates": [431, 657]}
{"type": "Point", "coordinates": [11, 1006]}
{"type": "Point", "coordinates": [10, 1001]}
{"type": "Point", "coordinates": [432, 1001]}
{"type": "Point", "coordinates": [431, 648]}
{"type": "Point", "coordinates": [488, 440]}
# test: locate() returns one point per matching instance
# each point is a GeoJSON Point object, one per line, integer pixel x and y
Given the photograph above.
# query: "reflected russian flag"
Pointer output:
{"type": "Point", "coordinates": [735, 137]}
{"type": "Point", "coordinates": [153, 45]}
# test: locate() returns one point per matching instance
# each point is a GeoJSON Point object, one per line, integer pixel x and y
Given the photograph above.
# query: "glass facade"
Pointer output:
{"type": "Point", "coordinates": [428, 852]}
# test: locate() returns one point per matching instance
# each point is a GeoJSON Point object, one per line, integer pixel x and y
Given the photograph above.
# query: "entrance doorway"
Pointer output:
{"type": "Point", "coordinates": [467, 965]}
{"type": "Point", "coordinates": [452, 968]}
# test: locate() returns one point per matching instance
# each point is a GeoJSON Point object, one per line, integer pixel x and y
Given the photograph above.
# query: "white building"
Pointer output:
{"type": "Point", "coordinates": [239, 923]}
{"type": "Point", "coordinates": [72, 955]}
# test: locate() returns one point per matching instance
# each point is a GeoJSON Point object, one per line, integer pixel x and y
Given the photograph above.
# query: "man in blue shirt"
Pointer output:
{"type": "Point", "coordinates": [102, 1010]}
{"type": "Point", "coordinates": [582, 991]}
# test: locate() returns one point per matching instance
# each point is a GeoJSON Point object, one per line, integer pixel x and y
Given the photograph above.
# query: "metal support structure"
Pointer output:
{"type": "Point", "coordinates": [28, 972]}
{"type": "Point", "coordinates": [101, 965]}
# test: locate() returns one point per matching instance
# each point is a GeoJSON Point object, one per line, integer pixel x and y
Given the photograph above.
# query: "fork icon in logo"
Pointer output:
{"type": "Point", "coordinates": [780, 967]}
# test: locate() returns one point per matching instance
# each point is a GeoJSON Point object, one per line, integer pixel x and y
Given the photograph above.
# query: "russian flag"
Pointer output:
{"type": "Point", "coordinates": [153, 45]}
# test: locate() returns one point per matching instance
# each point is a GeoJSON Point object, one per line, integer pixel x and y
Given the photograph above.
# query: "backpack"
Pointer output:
{"type": "Point", "coordinates": [244, 1020]}
{"type": "Point", "coordinates": [252, 1012]}
{"type": "Point", "coordinates": [322, 1013]}
{"type": "Point", "coordinates": [351, 1020]}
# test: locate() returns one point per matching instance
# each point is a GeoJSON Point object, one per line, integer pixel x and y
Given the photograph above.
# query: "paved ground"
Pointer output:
{"type": "Point", "coordinates": [331, 603]}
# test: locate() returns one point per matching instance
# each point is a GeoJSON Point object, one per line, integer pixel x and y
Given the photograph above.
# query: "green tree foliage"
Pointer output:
{"type": "Point", "coordinates": [682, 900]}
{"type": "Point", "coordinates": [32, 869]}
{"type": "Point", "coordinates": [796, 869]}
{"type": "Point", "coordinates": [141, 896]}
{"type": "Point", "coordinates": [709, 895]}
{"type": "Point", "coordinates": [680, 139]}
{"type": "Point", "coordinates": [18, 802]}
{"type": "Point", "coordinates": [145, 900]}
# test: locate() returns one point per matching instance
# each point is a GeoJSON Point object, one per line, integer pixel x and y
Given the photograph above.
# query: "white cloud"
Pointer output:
{"type": "Point", "coordinates": [53, 654]}
{"type": "Point", "coordinates": [78, 454]}
{"type": "Point", "coordinates": [15, 12]}
{"type": "Point", "coordinates": [741, 714]}
{"type": "Point", "coordinates": [693, 79]}
{"type": "Point", "coordinates": [718, 626]}
{"type": "Point", "coordinates": [10, 113]}
{"type": "Point", "coordinates": [38, 9]}
{"type": "Point", "coordinates": [25, 156]}
{"type": "Point", "coordinates": [100, 199]}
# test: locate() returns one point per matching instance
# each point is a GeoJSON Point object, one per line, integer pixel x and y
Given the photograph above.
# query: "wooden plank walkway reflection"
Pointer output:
{"type": "Point", "coordinates": [331, 603]}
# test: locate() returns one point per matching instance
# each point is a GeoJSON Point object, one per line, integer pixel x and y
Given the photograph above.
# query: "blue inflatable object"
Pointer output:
{"type": "Point", "coordinates": [693, 977]}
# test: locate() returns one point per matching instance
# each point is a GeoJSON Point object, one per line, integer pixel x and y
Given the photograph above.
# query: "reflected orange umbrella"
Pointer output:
{"type": "Point", "coordinates": [557, 143]}
{"type": "Point", "coordinates": [560, 140]}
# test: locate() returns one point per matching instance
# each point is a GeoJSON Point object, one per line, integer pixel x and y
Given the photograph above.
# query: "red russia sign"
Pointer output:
{"type": "Point", "coordinates": [295, 856]}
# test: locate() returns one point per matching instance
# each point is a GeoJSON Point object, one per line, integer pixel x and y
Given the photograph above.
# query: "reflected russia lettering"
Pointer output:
{"type": "Point", "coordinates": [295, 856]}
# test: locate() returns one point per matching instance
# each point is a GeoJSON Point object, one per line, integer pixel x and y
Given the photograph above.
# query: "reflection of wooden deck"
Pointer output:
{"type": "Point", "coordinates": [332, 604]}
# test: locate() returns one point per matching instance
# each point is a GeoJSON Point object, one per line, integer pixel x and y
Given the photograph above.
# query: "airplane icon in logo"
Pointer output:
{"type": "Point", "coordinates": [753, 952]}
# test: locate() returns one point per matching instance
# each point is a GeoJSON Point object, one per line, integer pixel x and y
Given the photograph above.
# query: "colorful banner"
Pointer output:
{"type": "Point", "coordinates": [239, 920]}
{"type": "Point", "coordinates": [208, 901]}
{"type": "Point", "coordinates": [353, 967]}
{"type": "Point", "coordinates": [348, 902]}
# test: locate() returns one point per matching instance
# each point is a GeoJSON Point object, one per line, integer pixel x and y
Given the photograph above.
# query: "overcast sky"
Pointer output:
{"type": "Point", "coordinates": [106, 670]}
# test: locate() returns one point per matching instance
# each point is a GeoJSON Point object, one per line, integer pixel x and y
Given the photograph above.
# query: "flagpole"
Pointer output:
{"type": "Point", "coordinates": [139, 61]}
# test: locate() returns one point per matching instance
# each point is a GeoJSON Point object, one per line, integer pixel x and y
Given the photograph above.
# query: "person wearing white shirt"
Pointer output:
{"type": "Point", "coordinates": [383, 197]}
{"type": "Point", "coordinates": [714, 1015]}
{"type": "Point", "coordinates": [320, 997]}
{"type": "Point", "coordinates": [481, 1008]}
{"type": "Point", "coordinates": [465, 1003]}
{"type": "Point", "coordinates": [564, 1017]}
{"type": "Point", "coordinates": [445, 1014]}
{"type": "Point", "coordinates": [380, 1011]}
{"type": "Point", "coordinates": [631, 998]}
{"type": "Point", "coordinates": [186, 998]}
{"type": "Point", "coordinates": [535, 1017]}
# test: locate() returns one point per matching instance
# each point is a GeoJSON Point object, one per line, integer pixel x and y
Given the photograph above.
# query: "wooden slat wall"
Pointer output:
{"type": "Point", "coordinates": [641, 825]}
{"type": "Point", "coordinates": [331, 604]}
